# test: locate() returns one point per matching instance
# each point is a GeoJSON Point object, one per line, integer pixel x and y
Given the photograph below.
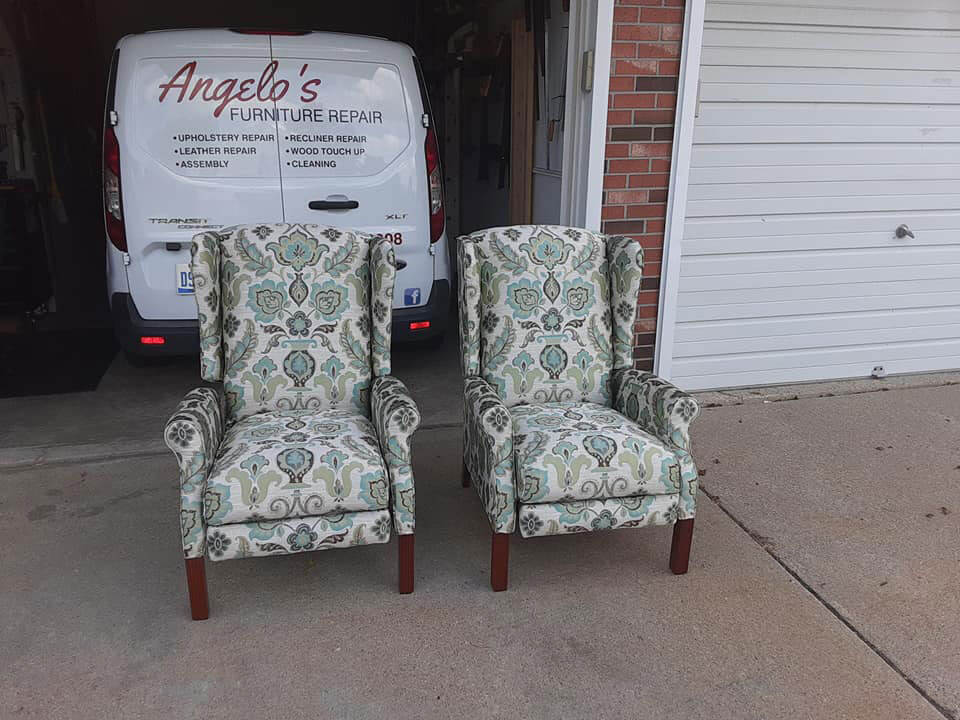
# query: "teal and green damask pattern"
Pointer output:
{"type": "Point", "coordinates": [488, 452]}
{"type": "Point", "coordinates": [582, 451]}
{"type": "Point", "coordinates": [286, 315]}
{"type": "Point", "coordinates": [193, 433]}
{"type": "Point", "coordinates": [667, 412]}
{"type": "Point", "coordinates": [590, 515]}
{"type": "Point", "coordinates": [278, 465]}
{"type": "Point", "coordinates": [296, 535]}
{"type": "Point", "coordinates": [547, 317]}
{"type": "Point", "coordinates": [541, 331]}
{"type": "Point", "coordinates": [396, 417]}
{"type": "Point", "coordinates": [298, 452]}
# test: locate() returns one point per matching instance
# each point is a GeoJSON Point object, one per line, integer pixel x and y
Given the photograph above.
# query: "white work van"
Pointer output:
{"type": "Point", "coordinates": [209, 128]}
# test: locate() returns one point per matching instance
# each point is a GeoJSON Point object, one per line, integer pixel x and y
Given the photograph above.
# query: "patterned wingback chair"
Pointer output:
{"type": "Point", "coordinates": [562, 435]}
{"type": "Point", "coordinates": [307, 446]}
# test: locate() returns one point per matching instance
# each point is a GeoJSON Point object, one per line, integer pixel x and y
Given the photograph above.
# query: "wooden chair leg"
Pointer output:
{"type": "Point", "coordinates": [680, 547]}
{"type": "Point", "coordinates": [405, 545]}
{"type": "Point", "coordinates": [465, 477]}
{"type": "Point", "coordinates": [197, 587]}
{"type": "Point", "coordinates": [499, 561]}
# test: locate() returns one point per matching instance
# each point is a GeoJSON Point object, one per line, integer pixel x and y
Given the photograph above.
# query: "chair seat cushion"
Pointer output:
{"type": "Point", "coordinates": [582, 451]}
{"type": "Point", "coordinates": [276, 465]}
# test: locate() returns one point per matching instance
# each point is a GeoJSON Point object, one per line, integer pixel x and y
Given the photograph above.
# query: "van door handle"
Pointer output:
{"type": "Point", "coordinates": [401, 264]}
{"type": "Point", "coordinates": [333, 205]}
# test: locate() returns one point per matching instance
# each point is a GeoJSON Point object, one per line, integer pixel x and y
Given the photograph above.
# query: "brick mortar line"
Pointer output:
{"type": "Point", "coordinates": [945, 712]}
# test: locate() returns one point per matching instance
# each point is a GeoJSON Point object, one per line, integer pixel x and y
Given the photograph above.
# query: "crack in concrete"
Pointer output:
{"type": "Point", "coordinates": [769, 548]}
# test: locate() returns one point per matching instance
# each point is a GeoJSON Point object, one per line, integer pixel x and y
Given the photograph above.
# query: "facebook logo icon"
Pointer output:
{"type": "Point", "coordinates": [411, 296]}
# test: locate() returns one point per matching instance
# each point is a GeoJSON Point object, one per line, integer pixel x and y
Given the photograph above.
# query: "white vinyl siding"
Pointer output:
{"type": "Point", "coordinates": [821, 126]}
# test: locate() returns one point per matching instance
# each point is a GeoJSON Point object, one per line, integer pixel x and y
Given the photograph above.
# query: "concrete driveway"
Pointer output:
{"type": "Point", "coordinates": [823, 583]}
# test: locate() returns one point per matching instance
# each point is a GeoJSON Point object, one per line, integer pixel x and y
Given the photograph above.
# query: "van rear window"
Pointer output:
{"type": "Point", "coordinates": [260, 117]}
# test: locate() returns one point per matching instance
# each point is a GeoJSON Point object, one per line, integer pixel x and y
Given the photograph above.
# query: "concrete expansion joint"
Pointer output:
{"type": "Point", "coordinates": [770, 548]}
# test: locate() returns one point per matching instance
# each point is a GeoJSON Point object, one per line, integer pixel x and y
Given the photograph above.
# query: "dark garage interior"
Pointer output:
{"type": "Point", "coordinates": [55, 59]}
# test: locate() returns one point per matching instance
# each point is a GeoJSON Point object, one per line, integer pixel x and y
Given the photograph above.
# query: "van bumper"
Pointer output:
{"type": "Point", "coordinates": [436, 312]}
{"type": "Point", "coordinates": [181, 337]}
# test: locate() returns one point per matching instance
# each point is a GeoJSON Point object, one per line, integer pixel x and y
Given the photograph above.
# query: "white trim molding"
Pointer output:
{"type": "Point", "coordinates": [679, 175]}
{"type": "Point", "coordinates": [590, 37]}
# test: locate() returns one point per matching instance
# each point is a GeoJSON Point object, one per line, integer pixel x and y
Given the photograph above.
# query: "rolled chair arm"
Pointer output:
{"type": "Point", "coordinates": [660, 408]}
{"type": "Point", "coordinates": [666, 412]}
{"type": "Point", "coordinates": [396, 418]}
{"type": "Point", "coordinates": [194, 433]}
{"type": "Point", "coordinates": [488, 452]}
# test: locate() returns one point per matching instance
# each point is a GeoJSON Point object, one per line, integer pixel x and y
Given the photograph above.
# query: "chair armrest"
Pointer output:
{"type": "Point", "coordinates": [396, 418]}
{"type": "Point", "coordinates": [655, 405]}
{"type": "Point", "coordinates": [194, 433]}
{"type": "Point", "coordinates": [488, 452]}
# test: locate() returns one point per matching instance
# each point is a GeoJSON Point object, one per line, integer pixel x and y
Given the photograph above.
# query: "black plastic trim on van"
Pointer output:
{"type": "Point", "coordinates": [437, 311]}
{"type": "Point", "coordinates": [182, 336]}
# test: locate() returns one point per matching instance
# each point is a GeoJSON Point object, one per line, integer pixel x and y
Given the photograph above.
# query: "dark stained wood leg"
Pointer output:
{"type": "Point", "coordinates": [499, 561]}
{"type": "Point", "coordinates": [680, 547]}
{"type": "Point", "coordinates": [405, 544]}
{"type": "Point", "coordinates": [197, 587]}
{"type": "Point", "coordinates": [465, 477]}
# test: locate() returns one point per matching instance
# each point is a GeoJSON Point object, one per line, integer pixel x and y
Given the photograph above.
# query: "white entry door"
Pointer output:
{"type": "Point", "coordinates": [822, 127]}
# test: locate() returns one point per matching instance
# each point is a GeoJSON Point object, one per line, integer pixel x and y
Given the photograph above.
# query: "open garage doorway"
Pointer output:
{"type": "Point", "coordinates": [517, 99]}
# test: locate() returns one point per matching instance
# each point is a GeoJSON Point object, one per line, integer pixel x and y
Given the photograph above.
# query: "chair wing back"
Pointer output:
{"type": "Point", "coordinates": [293, 317]}
{"type": "Point", "coordinates": [539, 320]}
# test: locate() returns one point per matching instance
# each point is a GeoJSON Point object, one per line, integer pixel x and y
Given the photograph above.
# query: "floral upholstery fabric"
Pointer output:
{"type": "Point", "coordinates": [281, 537]}
{"type": "Point", "coordinates": [667, 412]}
{"type": "Point", "coordinates": [308, 444]}
{"type": "Point", "coordinates": [276, 465]}
{"type": "Point", "coordinates": [582, 451]}
{"type": "Point", "coordinates": [590, 515]}
{"type": "Point", "coordinates": [547, 317]}
{"type": "Point", "coordinates": [544, 327]}
{"type": "Point", "coordinates": [488, 452]}
{"type": "Point", "coordinates": [193, 434]}
{"type": "Point", "coordinates": [286, 315]}
{"type": "Point", "coordinates": [397, 418]}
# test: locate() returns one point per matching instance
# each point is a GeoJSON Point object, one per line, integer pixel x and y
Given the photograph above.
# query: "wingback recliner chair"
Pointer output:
{"type": "Point", "coordinates": [561, 434]}
{"type": "Point", "coordinates": [307, 445]}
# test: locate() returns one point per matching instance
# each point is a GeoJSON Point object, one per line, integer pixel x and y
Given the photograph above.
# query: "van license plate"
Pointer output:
{"type": "Point", "coordinates": [184, 279]}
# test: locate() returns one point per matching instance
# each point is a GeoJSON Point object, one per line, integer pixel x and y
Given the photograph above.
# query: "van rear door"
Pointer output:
{"type": "Point", "coordinates": [352, 146]}
{"type": "Point", "coordinates": [188, 160]}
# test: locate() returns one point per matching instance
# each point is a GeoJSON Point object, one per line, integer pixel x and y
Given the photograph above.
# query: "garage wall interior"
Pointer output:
{"type": "Point", "coordinates": [643, 86]}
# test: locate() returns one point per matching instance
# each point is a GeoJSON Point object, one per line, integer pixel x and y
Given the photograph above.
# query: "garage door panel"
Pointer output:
{"type": "Point", "coordinates": [883, 223]}
{"type": "Point", "coordinates": [786, 308]}
{"type": "Point", "coordinates": [806, 205]}
{"type": "Point", "coordinates": [821, 188]}
{"type": "Point", "coordinates": [781, 343]}
{"type": "Point", "coordinates": [738, 330]}
{"type": "Point", "coordinates": [750, 91]}
{"type": "Point", "coordinates": [766, 174]}
{"type": "Point", "coordinates": [891, 59]}
{"type": "Point", "coordinates": [718, 281]}
{"type": "Point", "coordinates": [825, 134]}
{"type": "Point", "coordinates": [904, 17]}
{"type": "Point", "coordinates": [838, 292]}
{"type": "Point", "coordinates": [833, 154]}
{"type": "Point", "coordinates": [864, 77]}
{"type": "Point", "coordinates": [747, 37]}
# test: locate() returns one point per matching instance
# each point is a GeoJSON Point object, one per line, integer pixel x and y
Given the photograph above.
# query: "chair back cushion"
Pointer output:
{"type": "Point", "coordinates": [542, 328]}
{"type": "Point", "coordinates": [293, 317]}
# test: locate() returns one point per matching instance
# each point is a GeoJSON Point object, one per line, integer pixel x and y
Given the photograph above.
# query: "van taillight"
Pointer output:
{"type": "Point", "coordinates": [112, 208]}
{"type": "Point", "coordinates": [435, 181]}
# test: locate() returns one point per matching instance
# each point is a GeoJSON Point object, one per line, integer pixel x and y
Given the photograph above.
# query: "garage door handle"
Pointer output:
{"type": "Point", "coordinates": [333, 205]}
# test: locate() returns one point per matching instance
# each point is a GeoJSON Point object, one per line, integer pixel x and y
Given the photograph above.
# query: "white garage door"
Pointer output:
{"type": "Point", "coordinates": [820, 130]}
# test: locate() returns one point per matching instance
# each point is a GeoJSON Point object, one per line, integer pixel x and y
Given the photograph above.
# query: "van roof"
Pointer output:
{"type": "Point", "coordinates": [198, 40]}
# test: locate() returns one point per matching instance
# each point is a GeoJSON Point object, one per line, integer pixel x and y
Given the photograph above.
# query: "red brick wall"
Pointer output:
{"type": "Point", "coordinates": [643, 93]}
